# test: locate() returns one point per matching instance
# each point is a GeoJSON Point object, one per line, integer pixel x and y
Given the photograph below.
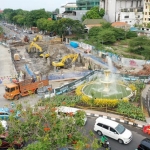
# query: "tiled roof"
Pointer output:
{"type": "Point", "coordinates": [93, 21]}
{"type": "Point", "coordinates": [119, 24]}
{"type": "Point", "coordinates": [93, 25]}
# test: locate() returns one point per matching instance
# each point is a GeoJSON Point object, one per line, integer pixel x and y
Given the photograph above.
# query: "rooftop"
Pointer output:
{"type": "Point", "coordinates": [93, 21]}
{"type": "Point", "coordinates": [119, 24]}
{"type": "Point", "coordinates": [69, 5]}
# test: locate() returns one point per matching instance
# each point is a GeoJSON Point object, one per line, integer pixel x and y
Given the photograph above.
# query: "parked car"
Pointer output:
{"type": "Point", "coordinates": [17, 143]}
{"type": "Point", "coordinates": [6, 112]}
{"type": "Point", "coordinates": [144, 145]}
{"type": "Point", "coordinates": [113, 130]}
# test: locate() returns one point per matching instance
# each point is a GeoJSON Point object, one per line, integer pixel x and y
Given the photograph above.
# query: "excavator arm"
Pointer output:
{"type": "Point", "coordinates": [62, 62]}
{"type": "Point", "coordinates": [37, 38]}
{"type": "Point", "coordinates": [36, 46]}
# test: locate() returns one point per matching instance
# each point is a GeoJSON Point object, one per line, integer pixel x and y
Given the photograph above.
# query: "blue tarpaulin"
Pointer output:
{"type": "Point", "coordinates": [29, 71]}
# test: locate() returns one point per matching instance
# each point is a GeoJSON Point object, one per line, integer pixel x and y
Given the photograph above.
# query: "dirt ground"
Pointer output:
{"type": "Point", "coordinates": [43, 66]}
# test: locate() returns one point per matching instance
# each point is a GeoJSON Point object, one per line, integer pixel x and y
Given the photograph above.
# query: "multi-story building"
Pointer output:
{"type": "Point", "coordinates": [87, 4]}
{"type": "Point", "coordinates": [76, 10]}
{"type": "Point", "coordinates": [146, 12]}
{"type": "Point", "coordinates": [129, 11]}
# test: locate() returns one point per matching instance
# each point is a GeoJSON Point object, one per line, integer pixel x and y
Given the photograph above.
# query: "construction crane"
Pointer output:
{"type": "Point", "coordinates": [35, 48]}
{"type": "Point", "coordinates": [63, 62]}
{"type": "Point", "coordinates": [38, 38]}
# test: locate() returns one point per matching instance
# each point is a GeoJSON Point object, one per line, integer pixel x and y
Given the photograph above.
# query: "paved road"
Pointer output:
{"type": "Point", "coordinates": [138, 135]}
{"type": "Point", "coordinates": [7, 70]}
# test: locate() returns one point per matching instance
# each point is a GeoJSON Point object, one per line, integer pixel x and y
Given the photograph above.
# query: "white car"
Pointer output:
{"type": "Point", "coordinates": [113, 130]}
{"type": "Point", "coordinates": [64, 110]}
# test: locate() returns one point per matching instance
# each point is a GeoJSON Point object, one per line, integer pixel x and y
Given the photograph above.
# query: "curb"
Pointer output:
{"type": "Point", "coordinates": [115, 119]}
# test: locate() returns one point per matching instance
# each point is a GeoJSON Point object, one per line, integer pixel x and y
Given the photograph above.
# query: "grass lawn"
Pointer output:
{"type": "Point", "coordinates": [116, 91]}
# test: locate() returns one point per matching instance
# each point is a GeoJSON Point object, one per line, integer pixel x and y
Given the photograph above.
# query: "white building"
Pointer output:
{"type": "Point", "coordinates": [129, 11]}
{"type": "Point", "coordinates": [146, 12]}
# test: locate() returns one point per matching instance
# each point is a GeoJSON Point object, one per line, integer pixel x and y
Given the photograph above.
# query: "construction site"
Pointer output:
{"type": "Point", "coordinates": [54, 58]}
{"type": "Point", "coordinates": [41, 58]}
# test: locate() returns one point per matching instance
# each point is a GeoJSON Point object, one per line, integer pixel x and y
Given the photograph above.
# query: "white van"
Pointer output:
{"type": "Point", "coordinates": [65, 110]}
{"type": "Point", "coordinates": [113, 130]}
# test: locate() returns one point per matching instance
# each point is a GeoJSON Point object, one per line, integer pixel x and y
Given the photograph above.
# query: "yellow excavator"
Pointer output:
{"type": "Point", "coordinates": [35, 48]}
{"type": "Point", "coordinates": [63, 62]}
{"type": "Point", "coordinates": [38, 38]}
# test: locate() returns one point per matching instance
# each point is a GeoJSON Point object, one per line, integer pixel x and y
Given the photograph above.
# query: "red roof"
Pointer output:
{"type": "Point", "coordinates": [1, 11]}
{"type": "Point", "coordinates": [119, 24]}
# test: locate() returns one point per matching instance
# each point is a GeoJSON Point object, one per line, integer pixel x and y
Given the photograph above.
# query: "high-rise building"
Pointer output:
{"type": "Point", "coordinates": [146, 12]}
{"type": "Point", "coordinates": [129, 11]}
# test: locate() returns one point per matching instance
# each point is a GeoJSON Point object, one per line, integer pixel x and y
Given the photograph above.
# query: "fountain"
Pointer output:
{"type": "Point", "coordinates": [106, 81]}
{"type": "Point", "coordinates": [106, 86]}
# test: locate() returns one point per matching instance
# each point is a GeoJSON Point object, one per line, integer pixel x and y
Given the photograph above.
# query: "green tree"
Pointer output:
{"type": "Point", "coordinates": [94, 31]}
{"type": "Point", "coordinates": [131, 34]}
{"type": "Point", "coordinates": [148, 25]}
{"type": "Point", "coordinates": [107, 36]}
{"type": "Point", "coordinates": [34, 15]}
{"type": "Point", "coordinates": [106, 25]}
{"type": "Point", "coordinates": [19, 19]}
{"type": "Point", "coordinates": [66, 26]}
{"type": "Point", "coordinates": [119, 33]}
{"type": "Point", "coordinates": [1, 30]}
{"type": "Point", "coordinates": [42, 127]}
{"type": "Point", "coordinates": [57, 10]}
{"type": "Point", "coordinates": [139, 44]}
{"type": "Point", "coordinates": [94, 13]}
{"type": "Point", "coordinates": [49, 14]}
{"type": "Point", "coordinates": [102, 12]}
{"type": "Point", "coordinates": [7, 14]}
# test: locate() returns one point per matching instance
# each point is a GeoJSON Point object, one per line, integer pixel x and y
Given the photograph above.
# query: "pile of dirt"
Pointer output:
{"type": "Point", "coordinates": [145, 70]}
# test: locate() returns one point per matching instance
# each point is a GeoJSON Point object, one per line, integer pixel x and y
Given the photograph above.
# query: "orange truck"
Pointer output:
{"type": "Point", "coordinates": [23, 88]}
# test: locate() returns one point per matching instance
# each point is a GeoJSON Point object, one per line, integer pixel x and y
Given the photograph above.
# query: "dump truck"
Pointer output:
{"type": "Point", "coordinates": [23, 88]}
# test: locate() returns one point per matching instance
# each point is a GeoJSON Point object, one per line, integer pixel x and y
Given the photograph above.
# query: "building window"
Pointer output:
{"type": "Point", "coordinates": [146, 7]}
{"type": "Point", "coordinates": [149, 13]}
{"type": "Point", "coordinates": [146, 0]}
{"type": "Point", "coordinates": [126, 16]}
{"type": "Point", "coordinates": [145, 19]}
{"type": "Point", "coordinates": [138, 16]}
{"type": "Point", "coordinates": [145, 13]}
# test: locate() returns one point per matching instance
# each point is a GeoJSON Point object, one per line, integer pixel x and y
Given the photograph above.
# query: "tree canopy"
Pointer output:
{"type": "Point", "coordinates": [94, 13]}
{"type": "Point", "coordinates": [34, 15]}
{"type": "Point", "coordinates": [140, 45]}
{"type": "Point", "coordinates": [22, 17]}
{"type": "Point", "coordinates": [107, 34]}
{"type": "Point", "coordinates": [66, 26]}
{"type": "Point", "coordinates": [44, 129]}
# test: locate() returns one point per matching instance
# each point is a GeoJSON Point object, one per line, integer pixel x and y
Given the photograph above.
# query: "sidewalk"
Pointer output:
{"type": "Point", "coordinates": [144, 94]}
{"type": "Point", "coordinates": [133, 122]}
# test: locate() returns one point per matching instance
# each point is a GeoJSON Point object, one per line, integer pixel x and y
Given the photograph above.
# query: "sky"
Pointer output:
{"type": "Point", "coordinates": [49, 5]}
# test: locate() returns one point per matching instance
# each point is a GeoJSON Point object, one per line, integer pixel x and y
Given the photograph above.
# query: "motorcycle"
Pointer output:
{"type": "Point", "coordinates": [104, 142]}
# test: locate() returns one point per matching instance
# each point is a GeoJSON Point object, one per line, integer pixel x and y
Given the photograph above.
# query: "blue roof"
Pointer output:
{"type": "Point", "coordinates": [133, 29]}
